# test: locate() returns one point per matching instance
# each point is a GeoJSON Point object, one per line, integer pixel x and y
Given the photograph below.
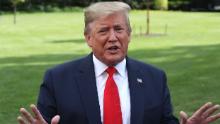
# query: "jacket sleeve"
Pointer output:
{"type": "Point", "coordinates": [46, 100]}
{"type": "Point", "coordinates": [168, 117]}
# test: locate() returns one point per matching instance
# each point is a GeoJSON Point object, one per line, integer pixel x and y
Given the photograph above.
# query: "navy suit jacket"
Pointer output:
{"type": "Point", "coordinates": [69, 90]}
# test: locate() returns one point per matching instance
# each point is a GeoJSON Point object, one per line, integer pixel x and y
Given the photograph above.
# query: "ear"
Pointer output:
{"type": "Point", "coordinates": [88, 39]}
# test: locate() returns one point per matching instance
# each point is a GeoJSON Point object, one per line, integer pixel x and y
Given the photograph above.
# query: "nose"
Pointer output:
{"type": "Point", "coordinates": [112, 36]}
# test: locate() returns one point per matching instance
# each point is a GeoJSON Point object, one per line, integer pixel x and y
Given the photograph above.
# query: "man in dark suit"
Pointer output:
{"type": "Point", "coordinates": [107, 86]}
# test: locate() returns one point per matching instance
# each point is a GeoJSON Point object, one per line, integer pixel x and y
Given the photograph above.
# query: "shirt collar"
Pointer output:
{"type": "Point", "coordinates": [121, 68]}
{"type": "Point", "coordinates": [100, 67]}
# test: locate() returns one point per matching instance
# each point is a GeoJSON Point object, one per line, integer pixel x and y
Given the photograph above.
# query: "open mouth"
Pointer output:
{"type": "Point", "coordinates": [113, 49]}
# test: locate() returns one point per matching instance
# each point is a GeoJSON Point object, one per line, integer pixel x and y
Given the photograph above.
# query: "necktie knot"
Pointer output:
{"type": "Point", "coordinates": [111, 70]}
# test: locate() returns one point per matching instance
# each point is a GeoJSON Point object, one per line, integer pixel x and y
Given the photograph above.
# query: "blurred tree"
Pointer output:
{"type": "Point", "coordinates": [161, 4]}
{"type": "Point", "coordinates": [14, 4]}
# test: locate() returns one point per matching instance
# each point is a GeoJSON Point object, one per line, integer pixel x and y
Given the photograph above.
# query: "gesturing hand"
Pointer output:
{"type": "Point", "coordinates": [27, 118]}
{"type": "Point", "coordinates": [202, 116]}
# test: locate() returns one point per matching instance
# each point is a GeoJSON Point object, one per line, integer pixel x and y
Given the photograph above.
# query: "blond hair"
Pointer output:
{"type": "Point", "coordinates": [100, 9]}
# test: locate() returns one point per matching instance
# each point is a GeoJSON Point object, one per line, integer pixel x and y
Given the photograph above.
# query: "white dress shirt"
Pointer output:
{"type": "Point", "coordinates": [121, 80]}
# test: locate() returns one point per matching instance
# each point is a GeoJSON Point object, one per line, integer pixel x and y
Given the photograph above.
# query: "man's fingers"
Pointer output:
{"type": "Point", "coordinates": [36, 112]}
{"type": "Point", "coordinates": [55, 119]}
{"type": "Point", "coordinates": [183, 117]}
{"type": "Point", "coordinates": [27, 115]}
{"type": "Point", "coordinates": [210, 111]}
{"type": "Point", "coordinates": [213, 118]}
{"type": "Point", "coordinates": [203, 109]}
{"type": "Point", "coordinates": [38, 117]}
{"type": "Point", "coordinates": [20, 120]}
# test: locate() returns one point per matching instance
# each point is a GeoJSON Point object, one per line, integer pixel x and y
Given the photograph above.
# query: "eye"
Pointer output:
{"type": "Point", "coordinates": [119, 29]}
{"type": "Point", "coordinates": [100, 31]}
{"type": "Point", "coordinates": [103, 31]}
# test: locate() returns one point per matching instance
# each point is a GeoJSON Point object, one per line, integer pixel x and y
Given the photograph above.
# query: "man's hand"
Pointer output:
{"type": "Point", "coordinates": [202, 116]}
{"type": "Point", "coordinates": [27, 118]}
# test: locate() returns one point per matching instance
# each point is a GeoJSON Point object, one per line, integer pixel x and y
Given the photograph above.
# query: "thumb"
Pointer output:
{"type": "Point", "coordinates": [55, 119]}
{"type": "Point", "coordinates": [183, 117]}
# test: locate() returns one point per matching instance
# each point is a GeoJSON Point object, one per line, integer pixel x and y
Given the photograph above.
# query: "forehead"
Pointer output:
{"type": "Point", "coordinates": [111, 20]}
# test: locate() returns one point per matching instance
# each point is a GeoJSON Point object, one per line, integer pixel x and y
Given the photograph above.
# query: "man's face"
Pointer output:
{"type": "Point", "coordinates": [109, 38]}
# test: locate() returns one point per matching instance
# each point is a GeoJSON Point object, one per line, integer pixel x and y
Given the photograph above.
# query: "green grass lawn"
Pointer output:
{"type": "Point", "coordinates": [189, 53]}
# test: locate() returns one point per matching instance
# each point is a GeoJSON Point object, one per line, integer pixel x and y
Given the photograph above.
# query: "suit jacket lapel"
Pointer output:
{"type": "Point", "coordinates": [136, 92]}
{"type": "Point", "coordinates": [88, 90]}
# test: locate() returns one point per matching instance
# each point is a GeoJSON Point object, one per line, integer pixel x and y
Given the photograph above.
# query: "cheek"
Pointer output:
{"type": "Point", "coordinates": [125, 43]}
{"type": "Point", "coordinates": [99, 45]}
{"type": "Point", "coordinates": [101, 41]}
{"type": "Point", "coordinates": [125, 47]}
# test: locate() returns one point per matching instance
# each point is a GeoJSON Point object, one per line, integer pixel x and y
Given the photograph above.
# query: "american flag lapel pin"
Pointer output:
{"type": "Point", "coordinates": [139, 80]}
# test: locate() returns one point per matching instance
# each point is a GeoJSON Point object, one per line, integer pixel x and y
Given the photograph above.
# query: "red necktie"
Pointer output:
{"type": "Point", "coordinates": [112, 108]}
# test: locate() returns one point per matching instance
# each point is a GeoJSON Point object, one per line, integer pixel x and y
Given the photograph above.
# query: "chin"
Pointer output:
{"type": "Point", "coordinates": [114, 60]}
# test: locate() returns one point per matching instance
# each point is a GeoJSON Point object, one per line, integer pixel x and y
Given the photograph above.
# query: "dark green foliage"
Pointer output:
{"type": "Point", "coordinates": [202, 4]}
{"type": "Point", "coordinates": [138, 4]}
{"type": "Point", "coordinates": [179, 4]}
{"type": "Point", "coordinates": [59, 5]}
{"type": "Point", "coordinates": [194, 5]}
